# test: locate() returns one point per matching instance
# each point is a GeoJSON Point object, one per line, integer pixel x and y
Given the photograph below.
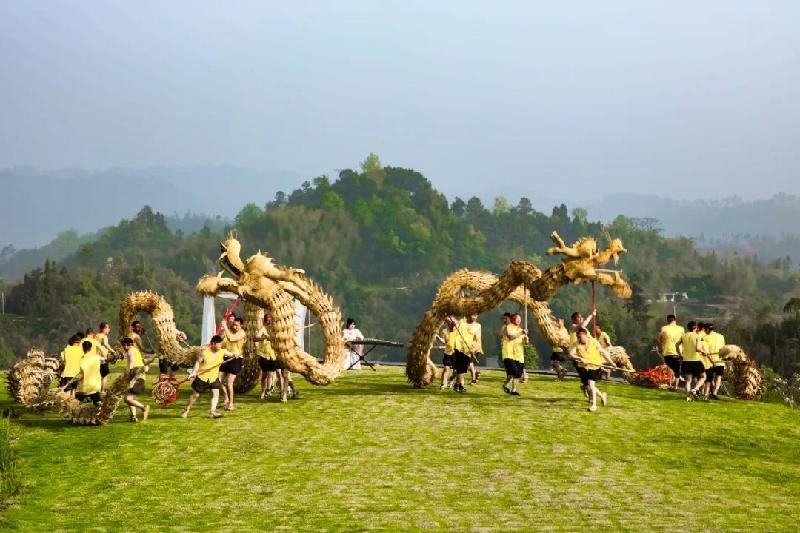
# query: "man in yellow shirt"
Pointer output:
{"type": "Point", "coordinates": [605, 341]}
{"type": "Point", "coordinates": [206, 374]}
{"type": "Point", "coordinates": [514, 353]}
{"type": "Point", "coordinates": [590, 357]}
{"type": "Point", "coordinates": [233, 341]}
{"type": "Point", "coordinates": [134, 360]}
{"type": "Point", "coordinates": [476, 351]}
{"type": "Point", "coordinates": [89, 380]}
{"type": "Point", "coordinates": [668, 337]}
{"type": "Point", "coordinates": [267, 360]}
{"type": "Point", "coordinates": [71, 356]}
{"type": "Point", "coordinates": [448, 339]}
{"type": "Point", "coordinates": [714, 343]}
{"type": "Point", "coordinates": [692, 368]}
{"type": "Point", "coordinates": [462, 356]}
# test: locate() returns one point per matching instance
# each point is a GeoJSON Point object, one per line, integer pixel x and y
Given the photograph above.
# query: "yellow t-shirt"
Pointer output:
{"type": "Point", "coordinates": [715, 342]}
{"type": "Point", "coordinates": [669, 336]}
{"type": "Point", "coordinates": [264, 346]}
{"type": "Point", "coordinates": [92, 381]}
{"type": "Point", "coordinates": [475, 329]}
{"type": "Point", "coordinates": [137, 357]}
{"type": "Point", "coordinates": [516, 347]}
{"type": "Point", "coordinates": [604, 339]}
{"type": "Point", "coordinates": [95, 345]}
{"type": "Point", "coordinates": [592, 359]}
{"type": "Point", "coordinates": [73, 355]}
{"type": "Point", "coordinates": [100, 337]}
{"type": "Point", "coordinates": [465, 341]}
{"type": "Point", "coordinates": [450, 341]}
{"type": "Point", "coordinates": [236, 347]}
{"type": "Point", "coordinates": [688, 347]}
{"type": "Point", "coordinates": [209, 368]}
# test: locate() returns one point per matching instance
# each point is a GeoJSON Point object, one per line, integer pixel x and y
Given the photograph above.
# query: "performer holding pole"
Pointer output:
{"type": "Point", "coordinates": [207, 365]}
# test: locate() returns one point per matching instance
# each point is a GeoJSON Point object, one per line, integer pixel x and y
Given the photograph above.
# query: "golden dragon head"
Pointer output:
{"type": "Point", "coordinates": [230, 258]}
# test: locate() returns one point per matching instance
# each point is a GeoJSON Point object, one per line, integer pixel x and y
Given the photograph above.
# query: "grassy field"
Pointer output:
{"type": "Point", "coordinates": [371, 453]}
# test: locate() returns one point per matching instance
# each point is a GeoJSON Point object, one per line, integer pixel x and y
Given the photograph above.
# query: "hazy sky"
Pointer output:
{"type": "Point", "coordinates": [619, 95]}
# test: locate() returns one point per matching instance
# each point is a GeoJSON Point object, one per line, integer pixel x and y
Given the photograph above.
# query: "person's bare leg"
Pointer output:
{"type": "Point", "coordinates": [284, 377]}
{"type": "Point", "coordinates": [223, 378]}
{"type": "Point", "coordinates": [445, 373]}
{"type": "Point", "coordinates": [592, 390]}
{"type": "Point", "coordinates": [263, 380]}
{"type": "Point", "coordinates": [214, 400]}
{"type": "Point", "coordinates": [231, 379]}
{"type": "Point", "coordinates": [192, 399]}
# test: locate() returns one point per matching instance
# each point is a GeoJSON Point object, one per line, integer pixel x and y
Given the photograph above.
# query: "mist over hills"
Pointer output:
{"type": "Point", "coordinates": [711, 221]}
{"type": "Point", "coordinates": [36, 206]}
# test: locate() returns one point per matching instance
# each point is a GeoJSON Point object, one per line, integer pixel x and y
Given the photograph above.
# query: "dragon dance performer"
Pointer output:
{"type": "Point", "coordinates": [71, 356]}
{"type": "Point", "coordinates": [267, 360]}
{"type": "Point", "coordinates": [476, 351]}
{"type": "Point", "coordinates": [104, 347]}
{"type": "Point", "coordinates": [578, 322]}
{"type": "Point", "coordinates": [514, 353]}
{"type": "Point", "coordinates": [589, 357]}
{"type": "Point", "coordinates": [96, 349]}
{"type": "Point", "coordinates": [605, 342]}
{"type": "Point", "coordinates": [448, 338]}
{"type": "Point", "coordinates": [208, 365]}
{"type": "Point", "coordinates": [464, 346]}
{"type": "Point", "coordinates": [692, 367]}
{"type": "Point", "coordinates": [714, 342]}
{"type": "Point", "coordinates": [135, 361]}
{"type": "Point", "coordinates": [233, 341]}
{"type": "Point", "coordinates": [89, 378]}
{"type": "Point", "coordinates": [667, 342]}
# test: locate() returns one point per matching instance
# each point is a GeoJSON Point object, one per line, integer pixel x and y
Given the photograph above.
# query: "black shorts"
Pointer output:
{"type": "Point", "coordinates": [448, 359]}
{"type": "Point", "coordinates": [200, 386]}
{"type": "Point", "coordinates": [165, 367]}
{"type": "Point", "coordinates": [557, 356]}
{"type": "Point", "coordinates": [104, 370]}
{"type": "Point", "coordinates": [234, 366]}
{"type": "Point", "coordinates": [137, 387]}
{"type": "Point", "coordinates": [692, 368]}
{"type": "Point", "coordinates": [268, 365]}
{"type": "Point", "coordinates": [513, 368]}
{"type": "Point", "coordinates": [94, 397]}
{"type": "Point", "coordinates": [64, 380]}
{"type": "Point", "coordinates": [586, 375]}
{"type": "Point", "coordinates": [715, 371]}
{"type": "Point", "coordinates": [674, 363]}
{"type": "Point", "coordinates": [462, 362]}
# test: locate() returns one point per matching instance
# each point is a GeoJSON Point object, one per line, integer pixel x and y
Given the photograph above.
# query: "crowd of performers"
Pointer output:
{"type": "Point", "coordinates": [86, 367]}
{"type": "Point", "coordinates": [691, 353]}
{"type": "Point", "coordinates": [693, 356]}
{"type": "Point", "coordinates": [462, 346]}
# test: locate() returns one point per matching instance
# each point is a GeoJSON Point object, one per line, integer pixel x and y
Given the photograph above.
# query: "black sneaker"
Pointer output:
{"type": "Point", "coordinates": [506, 389]}
{"type": "Point", "coordinates": [514, 393]}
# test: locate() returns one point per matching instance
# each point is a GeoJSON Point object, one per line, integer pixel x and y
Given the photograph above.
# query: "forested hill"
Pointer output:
{"type": "Point", "coordinates": [380, 240]}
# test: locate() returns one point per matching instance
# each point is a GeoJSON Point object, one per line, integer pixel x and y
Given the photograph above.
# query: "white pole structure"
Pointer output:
{"type": "Point", "coordinates": [300, 312]}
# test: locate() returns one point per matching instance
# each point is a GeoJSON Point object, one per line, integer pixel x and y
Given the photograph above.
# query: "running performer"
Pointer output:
{"type": "Point", "coordinates": [589, 356]}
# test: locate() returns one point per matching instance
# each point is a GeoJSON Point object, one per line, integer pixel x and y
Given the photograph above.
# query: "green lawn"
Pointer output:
{"type": "Point", "coordinates": [371, 453]}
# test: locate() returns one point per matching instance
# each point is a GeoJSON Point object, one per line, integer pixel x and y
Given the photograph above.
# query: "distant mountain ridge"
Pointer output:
{"type": "Point", "coordinates": [723, 219]}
